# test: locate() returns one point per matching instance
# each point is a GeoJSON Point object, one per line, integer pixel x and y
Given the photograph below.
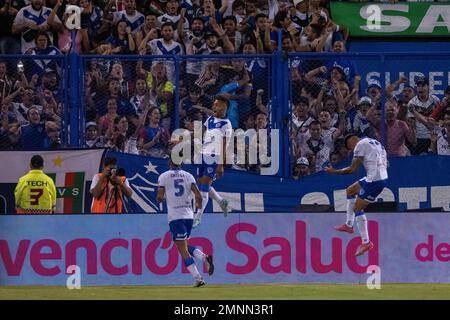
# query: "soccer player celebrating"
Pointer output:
{"type": "Point", "coordinates": [177, 186]}
{"type": "Point", "coordinates": [217, 134]}
{"type": "Point", "coordinates": [372, 155]}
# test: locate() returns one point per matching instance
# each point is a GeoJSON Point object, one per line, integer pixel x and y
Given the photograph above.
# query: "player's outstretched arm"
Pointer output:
{"type": "Point", "coordinates": [160, 194]}
{"type": "Point", "coordinates": [198, 196]}
{"type": "Point", "coordinates": [356, 162]}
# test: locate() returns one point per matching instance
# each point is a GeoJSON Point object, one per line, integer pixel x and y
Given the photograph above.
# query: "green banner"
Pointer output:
{"type": "Point", "coordinates": [417, 19]}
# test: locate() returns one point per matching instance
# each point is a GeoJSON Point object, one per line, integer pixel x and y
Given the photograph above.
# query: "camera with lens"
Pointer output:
{"type": "Point", "coordinates": [119, 172]}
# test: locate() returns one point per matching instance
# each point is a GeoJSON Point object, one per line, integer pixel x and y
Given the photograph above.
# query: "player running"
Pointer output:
{"type": "Point", "coordinates": [177, 186]}
{"type": "Point", "coordinates": [372, 155]}
{"type": "Point", "coordinates": [215, 142]}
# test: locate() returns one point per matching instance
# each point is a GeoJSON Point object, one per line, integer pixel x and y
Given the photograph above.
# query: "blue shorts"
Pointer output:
{"type": "Point", "coordinates": [208, 170]}
{"type": "Point", "coordinates": [181, 229]}
{"type": "Point", "coordinates": [370, 190]}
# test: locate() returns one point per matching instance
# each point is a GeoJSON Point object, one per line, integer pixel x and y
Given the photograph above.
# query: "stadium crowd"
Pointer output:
{"type": "Point", "coordinates": [130, 103]}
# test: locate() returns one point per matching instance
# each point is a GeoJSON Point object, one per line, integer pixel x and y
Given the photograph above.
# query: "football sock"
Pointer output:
{"type": "Point", "coordinates": [193, 251]}
{"type": "Point", "coordinates": [204, 192]}
{"type": "Point", "coordinates": [190, 265]}
{"type": "Point", "coordinates": [350, 213]}
{"type": "Point", "coordinates": [215, 195]}
{"type": "Point", "coordinates": [361, 222]}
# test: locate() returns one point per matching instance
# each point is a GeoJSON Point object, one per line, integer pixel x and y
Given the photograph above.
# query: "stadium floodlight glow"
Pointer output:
{"type": "Point", "coordinates": [73, 21]}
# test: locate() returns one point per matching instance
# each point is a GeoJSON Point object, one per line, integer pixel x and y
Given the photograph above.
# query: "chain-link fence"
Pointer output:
{"type": "Point", "coordinates": [32, 102]}
{"type": "Point", "coordinates": [133, 104]}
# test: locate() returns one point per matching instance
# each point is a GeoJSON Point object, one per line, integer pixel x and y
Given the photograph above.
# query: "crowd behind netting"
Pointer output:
{"type": "Point", "coordinates": [130, 104]}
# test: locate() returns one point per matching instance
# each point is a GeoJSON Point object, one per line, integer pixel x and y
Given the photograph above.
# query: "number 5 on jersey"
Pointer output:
{"type": "Point", "coordinates": [178, 184]}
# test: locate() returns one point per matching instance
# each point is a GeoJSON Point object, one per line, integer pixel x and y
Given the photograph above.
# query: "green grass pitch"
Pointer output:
{"type": "Point", "coordinates": [235, 292]}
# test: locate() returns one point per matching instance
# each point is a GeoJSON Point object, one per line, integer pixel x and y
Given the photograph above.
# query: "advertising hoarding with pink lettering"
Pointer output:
{"type": "Point", "coordinates": [247, 248]}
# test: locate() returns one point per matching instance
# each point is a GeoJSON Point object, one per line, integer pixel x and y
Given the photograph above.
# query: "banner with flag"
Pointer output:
{"type": "Point", "coordinates": [250, 192]}
{"type": "Point", "coordinates": [71, 170]}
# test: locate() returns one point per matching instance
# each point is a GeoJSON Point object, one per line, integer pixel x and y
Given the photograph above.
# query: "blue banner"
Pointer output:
{"type": "Point", "coordinates": [414, 182]}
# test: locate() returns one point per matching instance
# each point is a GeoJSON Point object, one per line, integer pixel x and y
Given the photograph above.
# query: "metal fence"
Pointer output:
{"type": "Point", "coordinates": [132, 103]}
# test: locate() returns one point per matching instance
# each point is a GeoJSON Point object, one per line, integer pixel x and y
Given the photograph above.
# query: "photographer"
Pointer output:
{"type": "Point", "coordinates": [108, 187]}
